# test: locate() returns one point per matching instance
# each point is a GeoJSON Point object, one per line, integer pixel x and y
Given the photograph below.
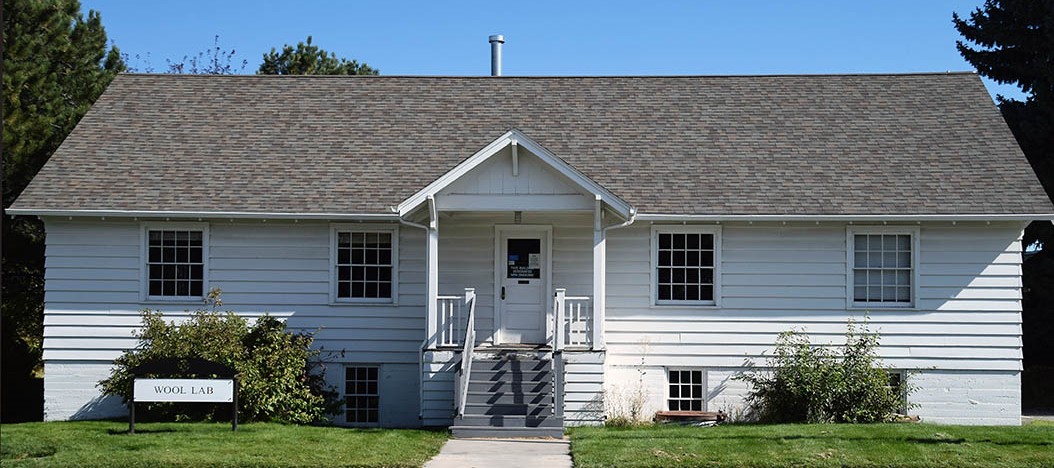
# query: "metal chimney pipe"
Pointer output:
{"type": "Point", "coordinates": [495, 54]}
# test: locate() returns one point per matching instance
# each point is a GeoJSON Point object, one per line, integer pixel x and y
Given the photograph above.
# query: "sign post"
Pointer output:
{"type": "Point", "coordinates": [189, 390]}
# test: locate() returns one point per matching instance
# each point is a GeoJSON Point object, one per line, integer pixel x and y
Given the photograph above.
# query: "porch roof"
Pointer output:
{"type": "Point", "coordinates": [916, 144]}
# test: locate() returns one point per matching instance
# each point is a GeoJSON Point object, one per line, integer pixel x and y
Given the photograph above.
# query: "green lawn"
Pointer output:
{"type": "Point", "coordinates": [900, 445]}
{"type": "Point", "coordinates": [101, 443]}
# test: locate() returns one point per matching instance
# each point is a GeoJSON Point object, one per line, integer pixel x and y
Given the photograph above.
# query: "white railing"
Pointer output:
{"type": "Point", "coordinates": [451, 320]}
{"type": "Point", "coordinates": [573, 320]}
{"type": "Point", "coordinates": [467, 351]}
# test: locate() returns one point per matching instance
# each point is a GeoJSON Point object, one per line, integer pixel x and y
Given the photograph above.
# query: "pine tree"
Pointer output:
{"type": "Point", "coordinates": [55, 64]}
{"type": "Point", "coordinates": [308, 59]}
{"type": "Point", "coordinates": [1013, 42]}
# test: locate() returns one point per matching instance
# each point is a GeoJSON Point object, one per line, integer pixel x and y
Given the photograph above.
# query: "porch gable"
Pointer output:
{"type": "Point", "coordinates": [514, 173]}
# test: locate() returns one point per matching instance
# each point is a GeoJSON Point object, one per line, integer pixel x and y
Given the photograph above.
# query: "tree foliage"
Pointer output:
{"type": "Point", "coordinates": [1012, 42]}
{"type": "Point", "coordinates": [818, 384]}
{"type": "Point", "coordinates": [212, 61]}
{"type": "Point", "coordinates": [280, 376]}
{"type": "Point", "coordinates": [308, 59]}
{"type": "Point", "coordinates": [56, 63]}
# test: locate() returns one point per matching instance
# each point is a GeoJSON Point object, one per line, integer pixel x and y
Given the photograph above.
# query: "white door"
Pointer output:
{"type": "Point", "coordinates": [523, 283]}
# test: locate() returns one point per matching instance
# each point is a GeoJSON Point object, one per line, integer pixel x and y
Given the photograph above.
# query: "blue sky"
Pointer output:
{"type": "Point", "coordinates": [560, 37]}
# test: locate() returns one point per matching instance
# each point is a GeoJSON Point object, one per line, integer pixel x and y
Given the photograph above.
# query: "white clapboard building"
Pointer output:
{"type": "Point", "coordinates": [516, 254]}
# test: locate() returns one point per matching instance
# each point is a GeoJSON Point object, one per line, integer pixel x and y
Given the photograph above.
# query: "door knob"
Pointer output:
{"type": "Point", "coordinates": [503, 293]}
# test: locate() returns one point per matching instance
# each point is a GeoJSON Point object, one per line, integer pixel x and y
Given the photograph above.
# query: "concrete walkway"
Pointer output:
{"type": "Point", "coordinates": [503, 453]}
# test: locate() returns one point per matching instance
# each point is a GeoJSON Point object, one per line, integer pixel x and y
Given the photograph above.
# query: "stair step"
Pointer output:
{"type": "Point", "coordinates": [505, 409]}
{"type": "Point", "coordinates": [517, 387]}
{"type": "Point", "coordinates": [512, 364]}
{"type": "Point", "coordinates": [470, 432]}
{"type": "Point", "coordinates": [508, 421]}
{"type": "Point", "coordinates": [495, 398]}
{"type": "Point", "coordinates": [508, 376]}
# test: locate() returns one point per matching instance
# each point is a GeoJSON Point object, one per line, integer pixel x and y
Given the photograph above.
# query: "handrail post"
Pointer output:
{"type": "Point", "coordinates": [558, 330]}
{"type": "Point", "coordinates": [466, 351]}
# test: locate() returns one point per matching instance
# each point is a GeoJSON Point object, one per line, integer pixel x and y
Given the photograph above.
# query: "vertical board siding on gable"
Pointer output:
{"type": "Point", "coordinates": [494, 177]}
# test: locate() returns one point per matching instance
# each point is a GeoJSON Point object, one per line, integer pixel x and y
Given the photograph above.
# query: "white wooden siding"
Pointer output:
{"type": "Point", "coordinates": [466, 257]}
{"type": "Point", "coordinates": [775, 277]}
{"type": "Point", "coordinates": [93, 299]}
{"type": "Point", "coordinates": [778, 277]}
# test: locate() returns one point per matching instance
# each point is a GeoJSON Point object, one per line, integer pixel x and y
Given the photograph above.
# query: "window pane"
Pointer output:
{"type": "Point", "coordinates": [706, 293]}
{"type": "Point", "coordinates": [665, 292]}
{"type": "Point", "coordinates": [692, 241]}
{"type": "Point", "coordinates": [706, 241]}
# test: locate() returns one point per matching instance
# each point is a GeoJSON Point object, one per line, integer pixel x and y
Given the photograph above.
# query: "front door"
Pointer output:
{"type": "Point", "coordinates": [523, 281]}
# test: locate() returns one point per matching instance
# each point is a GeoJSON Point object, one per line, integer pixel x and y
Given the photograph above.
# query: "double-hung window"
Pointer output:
{"type": "Point", "coordinates": [364, 264]}
{"type": "Point", "coordinates": [175, 261]}
{"type": "Point", "coordinates": [883, 266]}
{"type": "Point", "coordinates": [685, 263]}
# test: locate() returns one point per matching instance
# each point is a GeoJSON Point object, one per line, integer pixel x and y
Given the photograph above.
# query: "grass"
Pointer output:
{"type": "Point", "coordinates": [887, 445]}
{"type": "Point", "coordinates": [102, 443]}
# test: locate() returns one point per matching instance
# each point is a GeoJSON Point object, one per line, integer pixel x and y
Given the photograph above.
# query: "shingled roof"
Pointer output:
{"type": "Point", "coordinates": [915, 144]}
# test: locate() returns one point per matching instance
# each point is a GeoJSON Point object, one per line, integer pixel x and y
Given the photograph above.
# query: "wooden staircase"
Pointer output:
{"type": "Point", "coordinates": [511, 394]}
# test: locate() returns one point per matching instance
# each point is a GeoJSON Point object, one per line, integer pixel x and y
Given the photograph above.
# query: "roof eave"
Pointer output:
{"type": "Point", "coordinates": [846, 217]}
{"type": "Point", "coordinates": [202, 214]}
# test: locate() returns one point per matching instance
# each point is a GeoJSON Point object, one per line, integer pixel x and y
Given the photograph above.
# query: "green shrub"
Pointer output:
{"type": "Point", "coordinates": [819, 384]}
{"type": "Point", "coordinates": [280, 377]}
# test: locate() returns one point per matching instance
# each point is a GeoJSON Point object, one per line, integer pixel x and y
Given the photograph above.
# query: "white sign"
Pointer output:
{"type": "Point", "coordinates": [185, 390]}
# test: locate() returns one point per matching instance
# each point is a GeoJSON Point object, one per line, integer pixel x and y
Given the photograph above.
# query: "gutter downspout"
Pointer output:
{"type": "Point", "coordinates": [632, 218]}
{"type": "Point", "coordinates": [424, 343]}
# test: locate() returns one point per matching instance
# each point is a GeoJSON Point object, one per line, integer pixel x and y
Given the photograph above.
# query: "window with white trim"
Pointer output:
{"type": "Point", "coordinates": [685, 391]}
{"type": "Point", "coordinates": [175, 263]}
{"type": "Point", "coordinates": [364, 264]}
{"type": "Point", "coordinates": [361, 397]}
{"type": "Point", "coordinates": [883, 264]}
{"type": "Point", "coordinates": [684, 263]}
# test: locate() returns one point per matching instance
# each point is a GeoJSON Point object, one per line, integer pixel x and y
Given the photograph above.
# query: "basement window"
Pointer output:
{"type": "Point", "coordinates": [364, 264]}
{"type": "Point", "coordinates": [685, 391]}
{"type": "Point", "coordinates": [361, 398]}
{"type": "Point", "coordinates": [175, 262]}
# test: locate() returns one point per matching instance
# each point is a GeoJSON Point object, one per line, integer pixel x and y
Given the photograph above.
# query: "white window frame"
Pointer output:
{"type": "Point", "coordinates": [144, 258]}
{"type": "Point", "coordinates": [690, 229]}
{"type": "Point", "coordinates": [334, 230]}
{"type": "Point", "coordinates": [666, 387]}
{"type": "Point", "coordinates": [344, 394]}
{"type": "Point", "coordinates": [850, 264]}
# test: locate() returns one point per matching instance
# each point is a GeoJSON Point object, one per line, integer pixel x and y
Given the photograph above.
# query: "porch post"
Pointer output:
{"type": "Point", "coordinates": [599, 275]}
{"type": "Point", "coordinates": [432, 274]}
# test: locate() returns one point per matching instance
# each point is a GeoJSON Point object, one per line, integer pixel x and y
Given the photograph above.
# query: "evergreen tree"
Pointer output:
{"type": "Point", "coordinates": [55, 64]}
{"type": "Point", "coordinates": [308, 59]}
{"type": "Point", "coordinates": [1012, 41]}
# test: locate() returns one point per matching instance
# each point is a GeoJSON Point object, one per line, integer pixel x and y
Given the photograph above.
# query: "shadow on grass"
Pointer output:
{"type": "Point", "coordinates": [138, 431]}
{"type": "Point", "coordinates": [933, 440]}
